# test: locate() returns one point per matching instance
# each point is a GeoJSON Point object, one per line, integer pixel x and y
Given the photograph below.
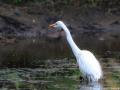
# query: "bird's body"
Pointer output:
{"type": "Point", "coordinates": [88, 64]}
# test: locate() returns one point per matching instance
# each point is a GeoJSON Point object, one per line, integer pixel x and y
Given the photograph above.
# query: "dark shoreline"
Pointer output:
{"type": "Point", "coordinates": [24, 33]}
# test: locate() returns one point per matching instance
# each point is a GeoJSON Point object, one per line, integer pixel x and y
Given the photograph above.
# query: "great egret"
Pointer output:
{"type": "Point", "coordinates": [88, 64]}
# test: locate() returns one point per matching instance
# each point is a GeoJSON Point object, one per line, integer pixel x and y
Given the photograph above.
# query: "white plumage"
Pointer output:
{"type": "Point", "coordinates": [88, 64]}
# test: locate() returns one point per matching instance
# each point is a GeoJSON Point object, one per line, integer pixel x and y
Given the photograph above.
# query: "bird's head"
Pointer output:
{"type": "Point", "coordinates": [58, 25]}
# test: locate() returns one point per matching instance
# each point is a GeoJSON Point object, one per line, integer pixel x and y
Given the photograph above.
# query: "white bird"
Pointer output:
{"type": "Point", "coordinates": [88, 64]}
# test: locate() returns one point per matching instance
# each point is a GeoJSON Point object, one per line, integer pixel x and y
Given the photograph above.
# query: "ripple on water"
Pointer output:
{"type": "Point", "coordinates": [61, 74]}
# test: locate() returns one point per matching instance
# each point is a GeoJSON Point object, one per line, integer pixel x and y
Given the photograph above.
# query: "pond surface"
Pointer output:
{"type": "Point", "coordinates": [58, 74]}
{"type": "Point", "coordinates": [49, 65]}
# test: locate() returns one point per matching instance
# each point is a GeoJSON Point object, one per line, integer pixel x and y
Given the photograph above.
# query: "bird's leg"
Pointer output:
{"type": "Point", "coordinates": [88, 78]}
{"type": "Point", "coordinates": [81, 78]}
{"type": "Point", "coordinates": [84, 79]}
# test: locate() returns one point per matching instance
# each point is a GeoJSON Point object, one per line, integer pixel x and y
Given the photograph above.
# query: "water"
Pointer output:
{"type": "Point", "coordinates": [59, 74]}
{"type": "Point", "coordinates": [37, 65]}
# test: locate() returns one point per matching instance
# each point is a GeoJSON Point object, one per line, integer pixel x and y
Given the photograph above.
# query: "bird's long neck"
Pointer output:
{"type": "Point", "coordinates": [74, 47]}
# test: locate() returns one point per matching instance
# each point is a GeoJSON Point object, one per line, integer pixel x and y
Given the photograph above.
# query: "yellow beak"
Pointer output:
{"type": "Point", "coordinates": [52, 26]}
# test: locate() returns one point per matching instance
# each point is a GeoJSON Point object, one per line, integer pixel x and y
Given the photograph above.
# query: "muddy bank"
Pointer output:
{"type": "Point", "coordinates": [26, 39]}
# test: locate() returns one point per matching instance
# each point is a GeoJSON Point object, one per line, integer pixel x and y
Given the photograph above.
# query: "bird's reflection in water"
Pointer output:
{"type": "Point", "coordinates": [91, 86]}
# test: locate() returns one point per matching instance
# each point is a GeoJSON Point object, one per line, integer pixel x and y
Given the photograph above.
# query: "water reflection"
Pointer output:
{"type": "Point", "coordinates": [59, 74]}
{"type": "Point", "coordinates": [91, 86]}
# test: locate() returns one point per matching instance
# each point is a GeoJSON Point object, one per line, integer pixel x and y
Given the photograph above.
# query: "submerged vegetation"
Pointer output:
{"type": "Point", "coordinates": [56, 75]}
{"type": "Point", "coordinates": [59, 75]}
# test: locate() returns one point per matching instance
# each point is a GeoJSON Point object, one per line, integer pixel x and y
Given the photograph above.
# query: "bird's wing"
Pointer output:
{"type": "Point", "coordinates": [88, 63]}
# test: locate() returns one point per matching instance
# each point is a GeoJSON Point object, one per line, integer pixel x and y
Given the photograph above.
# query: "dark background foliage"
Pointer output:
{"type": "Point", "coordinates": [93, 3]}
